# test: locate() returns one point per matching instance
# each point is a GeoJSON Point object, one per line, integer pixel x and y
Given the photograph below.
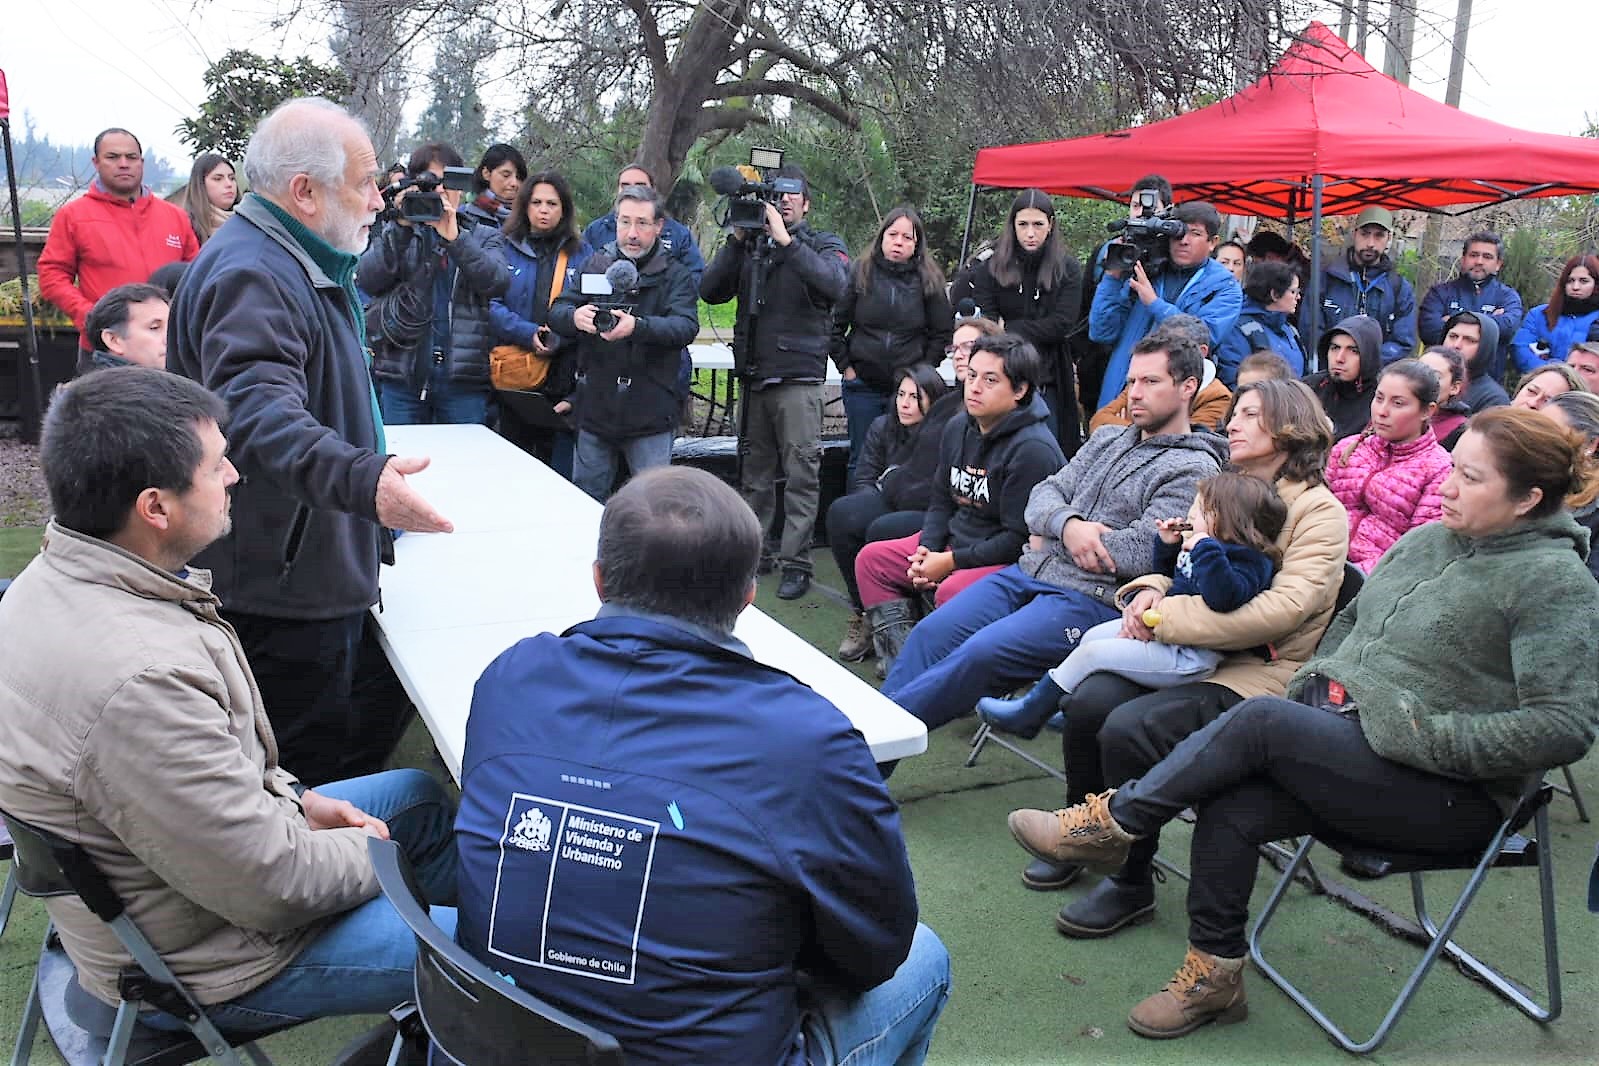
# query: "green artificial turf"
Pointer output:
{"type": "Point", "coordinates": [1023, 994]}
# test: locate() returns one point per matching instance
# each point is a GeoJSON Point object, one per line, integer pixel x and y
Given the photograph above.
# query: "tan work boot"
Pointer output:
{"type": "Point", "coordinates": [857, 642]}
{"type": "Point", "coordinates": [1085, 833]}
{"type": "Point", "coordinates": [1207, 988]}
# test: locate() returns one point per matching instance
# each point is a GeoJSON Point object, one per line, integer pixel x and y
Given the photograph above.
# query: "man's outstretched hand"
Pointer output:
{"type": "Point", "coordinates": [400, 506]}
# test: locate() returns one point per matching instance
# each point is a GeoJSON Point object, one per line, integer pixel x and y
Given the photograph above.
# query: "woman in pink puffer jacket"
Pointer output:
{"type": "Point", "coordinates": [1387, 476]}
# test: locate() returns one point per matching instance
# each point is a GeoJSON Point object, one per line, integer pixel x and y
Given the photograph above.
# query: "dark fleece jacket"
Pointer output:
{"type": "Point", "coordinates": [1473, 657]}
{"type": "Point", "coordinates": [979, 501]}
{"type": "Point", "coordinates": [1348, 403]}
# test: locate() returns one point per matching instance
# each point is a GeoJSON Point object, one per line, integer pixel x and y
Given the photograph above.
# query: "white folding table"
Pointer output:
{"type": "Point", "coordinates": [520, 563]}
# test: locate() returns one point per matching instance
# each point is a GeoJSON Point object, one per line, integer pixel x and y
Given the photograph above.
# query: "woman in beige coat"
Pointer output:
{"type": "Point", "coordinates": [1275, 430]}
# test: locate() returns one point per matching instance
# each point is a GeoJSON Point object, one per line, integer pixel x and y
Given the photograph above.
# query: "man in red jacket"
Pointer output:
{"type": "Point", "coordinates": [116, 233]}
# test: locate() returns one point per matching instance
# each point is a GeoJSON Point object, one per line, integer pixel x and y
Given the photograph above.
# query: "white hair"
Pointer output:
{"type": "Point", "coordinates": [302, 136]}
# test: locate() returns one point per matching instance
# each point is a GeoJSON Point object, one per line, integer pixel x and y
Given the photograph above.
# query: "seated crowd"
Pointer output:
{"type": "Point", "coordinates": [194, 635]}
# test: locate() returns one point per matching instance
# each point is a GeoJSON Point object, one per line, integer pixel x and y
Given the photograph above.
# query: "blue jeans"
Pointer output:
{"type": "Point", "coordinates": [362, 961]}
{"type": "Point", "coordinates": [1003, 631]}
{"type": "Point", "coordinates": [594, 462]}
{"type": "Point", "coordinates": [889, 1025]}
{"type": "Point", "coordinates": [862, 405]}
{"type": "Point", "coordinates": [447, 402]}
{"type": "Point", "coordinates": [1144, 662]}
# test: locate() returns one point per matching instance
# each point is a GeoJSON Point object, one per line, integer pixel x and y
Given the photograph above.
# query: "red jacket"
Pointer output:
{"type": "Point", "coordinates": [100, 241]}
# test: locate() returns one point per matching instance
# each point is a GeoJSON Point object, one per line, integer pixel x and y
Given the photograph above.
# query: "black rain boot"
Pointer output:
{"type": "Point", "coordinates": [891, 624]}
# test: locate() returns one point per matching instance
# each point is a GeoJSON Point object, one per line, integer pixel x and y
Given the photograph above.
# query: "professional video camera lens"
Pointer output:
{"type": "Point", "coordinates": [604, 320]}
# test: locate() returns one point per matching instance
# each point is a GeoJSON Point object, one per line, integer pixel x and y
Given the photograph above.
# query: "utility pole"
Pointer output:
{"type": "Point", "coordinates": [1401, 40]}
{"type": "Point", "coordinates": [1361, 9]}
{"type": "Point", "coordinates": [1432, 237]}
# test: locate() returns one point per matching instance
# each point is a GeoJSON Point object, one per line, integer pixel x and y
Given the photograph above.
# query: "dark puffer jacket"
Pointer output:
{"type": "Point", "coordinates": [409, 255]}
{"type": "Point", "coordinates": [1348, 403]}
{"type": "Point", "coordinates": [628, 388]}
{"type": "Point", "coordinates": [893, 323]}
{"type": "Point", "coordinates": [800, 283]}
{"type": "Point", "coordinates": [1042, 316]}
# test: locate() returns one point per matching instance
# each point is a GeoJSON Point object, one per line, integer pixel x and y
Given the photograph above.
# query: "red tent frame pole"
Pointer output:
{"type": "Point", "coordinates": [966, 237]}
{"type": "Point", "coordinates": [1307, 321]}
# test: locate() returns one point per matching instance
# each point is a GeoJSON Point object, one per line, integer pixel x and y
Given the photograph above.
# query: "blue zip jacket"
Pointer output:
{"type": "Point", "coordinates": [1120, 318]}
{"type": "Point", "coordinates": [1568, 332]}
{"type": "Point", "coordinates": [1258, 329]}
{"type": "Point", "coordinates": [676, 241]}
{"type": "Point", "coordinates": [1385, 297]}
{"type": "Point", "coordinates": [1493, 298]}
{"type": "Point", "coordinates": [657, 833]}
{"type": "Point", "coordinates": [513, 315]}
{"type": "Point", "coordinates": [1226, 576]}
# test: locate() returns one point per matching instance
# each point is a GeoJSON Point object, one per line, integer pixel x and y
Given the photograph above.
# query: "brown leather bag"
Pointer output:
{"type": "Point", "coordinates": [515, 368]}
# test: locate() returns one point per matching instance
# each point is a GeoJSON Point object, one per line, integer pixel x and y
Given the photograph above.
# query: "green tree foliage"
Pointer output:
{"type": "Point", "coordinates": [455, 113]}
{"type": "Point", "coordinates": [243, 87]}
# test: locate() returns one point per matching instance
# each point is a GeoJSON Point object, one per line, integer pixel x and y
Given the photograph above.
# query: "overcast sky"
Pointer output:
{"type": "Point", "coordinates": [77, 66]}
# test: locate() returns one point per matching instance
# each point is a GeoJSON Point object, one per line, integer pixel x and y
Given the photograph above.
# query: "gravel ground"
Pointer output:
{"type": "Point", "coordinates": [23, 500]}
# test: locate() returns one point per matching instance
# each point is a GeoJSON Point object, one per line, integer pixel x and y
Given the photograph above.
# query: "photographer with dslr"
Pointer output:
{"type": "Point", "coordinates": [630, 317]}
{"type": "Point", "coordinates": [1141, 287]}
{"type": "Point", "coordinates": [781, 340]}
{"type": "Point", "coordinates": [432, 271]}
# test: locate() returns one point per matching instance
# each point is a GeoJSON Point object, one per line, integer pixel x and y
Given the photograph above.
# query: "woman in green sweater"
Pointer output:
{"type": "Point", "coordinates": [1467, 666]}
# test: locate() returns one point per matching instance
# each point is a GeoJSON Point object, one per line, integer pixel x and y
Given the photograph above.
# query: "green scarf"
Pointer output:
{"type": "Point", "coordinates": [340, 266]}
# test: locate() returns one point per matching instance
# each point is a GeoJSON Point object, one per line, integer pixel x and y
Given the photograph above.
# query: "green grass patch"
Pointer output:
{"type": "Point", "coordinates": [18, 544]}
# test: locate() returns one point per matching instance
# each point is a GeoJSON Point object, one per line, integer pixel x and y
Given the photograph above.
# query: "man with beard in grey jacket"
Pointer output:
{"type": "Point", "coordinates": [1093, 529]}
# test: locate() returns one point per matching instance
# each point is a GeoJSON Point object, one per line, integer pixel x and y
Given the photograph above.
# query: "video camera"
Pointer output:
{"type": "Point", "coordinates": [1145, 239]}
{"type": "Point", "coordinates": [423, 203]}
{"type": "Point", "coordinates": [611, 290]}
{"type": "Point", "coordinates": [749, 189]}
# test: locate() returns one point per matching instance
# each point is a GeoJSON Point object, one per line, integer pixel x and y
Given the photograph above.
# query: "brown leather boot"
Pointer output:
{"type": "Point", "coordinates": [1084, 834]}
{"type": "Point", "coordinates": [1206, 989]}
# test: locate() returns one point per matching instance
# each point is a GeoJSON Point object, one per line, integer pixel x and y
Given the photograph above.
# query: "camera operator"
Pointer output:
{"type": "Point", "coordinates": [432, 281]}
{"type": "Point", "coordinates": [628, 345]}
{"type": "Point", "coordinates": [1129, 304]}
{"type": "Point", "coordinates": [781, 347]}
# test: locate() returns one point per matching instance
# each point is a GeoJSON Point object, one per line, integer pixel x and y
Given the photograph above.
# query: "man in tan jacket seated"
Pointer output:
{"type": "Point", "coordinates": [130, 724]}
{"type": "Point", "coordinates": [1210, 402]}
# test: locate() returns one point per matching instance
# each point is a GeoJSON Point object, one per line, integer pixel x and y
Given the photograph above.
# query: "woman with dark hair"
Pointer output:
{"type": "Point", "coordinates": [1551, 330]}
{"type": "Point", "coordinates": [546, 255]}
{"type": "Point", "coordinates": [1462, 672]}
{"type": "Point", "coordinates": [1277, 432]}
{"type": "Point", "coordinates": [211, 194]}
{"type": "Point", "coordinates": [1449, 420]}
{"type": "Point", "coordinates": [892, 483]}
{"type": "Point", "coordinates": [1387, 475]}
{"type": "Point", "coordinates": [500, 174]}
{"type": "Point", "coordinates": [1034, 285]}
{"type": "Point", "coordinates": [1271, 296]}
{"type": "Point", "coordinates": [1230, 254]}
{"type": "Point", "coordinates": [894, 314]}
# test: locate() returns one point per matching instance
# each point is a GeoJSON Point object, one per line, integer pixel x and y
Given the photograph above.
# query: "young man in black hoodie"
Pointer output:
{"type": "Point", "coordinates": [1352, 353]}
{"type": "Point", "coordinates": [976, 520]}
{"type": "Point", "coordinates": [1476, 337]}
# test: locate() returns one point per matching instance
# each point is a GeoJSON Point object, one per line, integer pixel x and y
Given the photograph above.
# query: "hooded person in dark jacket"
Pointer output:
{"type": "Point", "coordinates": [431, 284]}
{"type": "Point", "coordinates": [893, 314]}
{"type": "Point", "coordinates": [1352, 353]}
{"type": "Point", "coordinates": [988, 462]}
{"type": "Point", "coordinates": [1034, 286]}
{"type": "Point", "coordinates": [627, 402]}
{"type": "Point", "coordinates": [1476, 337]}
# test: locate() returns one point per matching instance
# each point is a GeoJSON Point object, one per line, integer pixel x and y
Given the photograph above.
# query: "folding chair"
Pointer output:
{"type": "Point", "coordinates": [1508, 848]}
{"type": "Point", "coordinates": [8, 894]}
{"type": "Point", "coordinates": [84, 1029]}
{"type": "Point", "coordinates": [472, 1015]}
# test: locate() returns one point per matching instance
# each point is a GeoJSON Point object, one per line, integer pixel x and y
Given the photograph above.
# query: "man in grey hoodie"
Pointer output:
{"type": "Point", "coordinates": [1093, 529]}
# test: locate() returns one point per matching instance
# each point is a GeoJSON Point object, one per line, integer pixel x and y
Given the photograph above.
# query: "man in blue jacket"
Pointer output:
{"type": "Point", "coordinates": [1477, 289]}
{"type": "Point", "coordinates": [1128, 307]}
{"type": "Point", "coordinates": [676, 240]}
{"type": "Point", "coordinates": [678, 844]}
{"type": "Point", "coordinates": [268, 318]}
{"type": "Point", "coordinates": [1366, 283]}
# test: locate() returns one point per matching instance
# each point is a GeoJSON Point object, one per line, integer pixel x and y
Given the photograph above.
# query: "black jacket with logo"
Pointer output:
{"type": "Point", "coordinates": [979, 503]}
{"type": "Point", "coordinates": [891, 324]}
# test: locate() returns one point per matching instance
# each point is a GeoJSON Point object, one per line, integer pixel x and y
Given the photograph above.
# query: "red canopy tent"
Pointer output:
{"type": "Point", "coordinates": [1322, 133]}
{"type": "Point", "coordinates": [1321, 116]}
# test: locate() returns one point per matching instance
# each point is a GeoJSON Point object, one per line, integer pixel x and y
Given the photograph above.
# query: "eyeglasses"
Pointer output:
{"type": "Point", "coordinates": [962, 349]}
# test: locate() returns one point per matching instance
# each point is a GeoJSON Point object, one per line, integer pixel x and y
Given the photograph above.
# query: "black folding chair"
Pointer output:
{"type": "Point", "coordinates": [472, 1015]}
{"type": "Point", "coordinates": [84, 1029]}
{"type": "Point", "coordinates": [8, 894]}
{"type": "Point", "coordinates": [1508, 848]}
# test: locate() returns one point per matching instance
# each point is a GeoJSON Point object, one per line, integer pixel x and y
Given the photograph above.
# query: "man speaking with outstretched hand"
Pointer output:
{"type": "Point", "coordinates": [268, 319]}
